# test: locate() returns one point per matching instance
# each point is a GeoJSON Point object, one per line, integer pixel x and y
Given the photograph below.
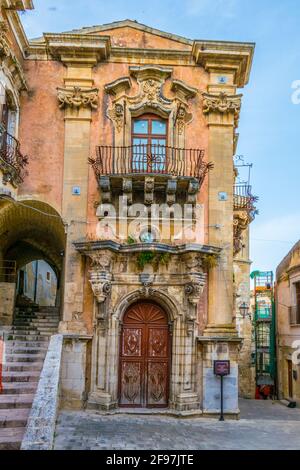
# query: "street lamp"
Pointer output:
{"type": "Point", "coordinates": [244, 310]}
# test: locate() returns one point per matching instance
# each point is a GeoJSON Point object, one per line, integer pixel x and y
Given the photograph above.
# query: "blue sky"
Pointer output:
{"type": "Point", "coordinates": [270, 122]}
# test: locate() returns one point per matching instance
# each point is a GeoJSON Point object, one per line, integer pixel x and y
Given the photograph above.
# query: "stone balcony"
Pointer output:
{"type": "Point", "coordinates": [244, 213]}
{"type": "Point", "coordinates": [149, 169]}
{"type": "Point", "coordinates": [12, 163]}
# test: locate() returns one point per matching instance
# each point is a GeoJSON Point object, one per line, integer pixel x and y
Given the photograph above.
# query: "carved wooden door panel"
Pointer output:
{"type": "Point", "coordinates": [144, 357]}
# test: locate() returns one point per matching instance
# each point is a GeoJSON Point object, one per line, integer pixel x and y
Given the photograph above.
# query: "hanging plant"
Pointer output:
{"type": "Point", "coordinates": [209, 262]}
{"type": "Point", "coordinates": [145, 257]}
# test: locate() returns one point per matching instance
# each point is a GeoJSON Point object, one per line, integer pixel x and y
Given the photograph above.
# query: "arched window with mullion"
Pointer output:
{"type": "Point", "coordinates": [149, 142]}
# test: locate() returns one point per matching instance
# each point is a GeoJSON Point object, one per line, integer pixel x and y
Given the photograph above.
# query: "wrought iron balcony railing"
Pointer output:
{"type": "Point", "coordinates": [243, 198]}
{"type": "Point", "coordinates": [12, 161]}
{"type": "Point", "coordinates": [151, 160]}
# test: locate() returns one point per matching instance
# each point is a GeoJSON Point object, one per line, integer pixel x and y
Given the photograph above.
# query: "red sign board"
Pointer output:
{"type": "Point", "coordinates": [222, 368]}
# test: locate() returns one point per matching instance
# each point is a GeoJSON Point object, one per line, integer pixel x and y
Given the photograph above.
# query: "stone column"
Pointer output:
{"type": "Point", "coordinates": [78, 101]}
{"type": "Point", "coordinates": [222, 111]}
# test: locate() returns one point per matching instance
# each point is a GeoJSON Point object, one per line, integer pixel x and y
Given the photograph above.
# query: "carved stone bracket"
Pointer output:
{"type": "Point", "coordinates": [104, 183]}
{"type": "Point", "coordinates": [149, 190]}
{"type": "Point", "coordinates": [241, 221]}
{"type": "Point", "coordinates": [127, 189]}
{"type": "Point", "coordinates": [77, 97]}
{"type": "Point", "coordinates": [100, 274]}
{"type": "Point", "coordinates": [194, 289]}
{"type": "Point", "coordinates": [171, 190]}
{"type": "Point", "coordinates": [101, 285]}
{"type": "Point", "coordinates": [193, 190]}
{"type": "Point", "coordinates": [223, 104]}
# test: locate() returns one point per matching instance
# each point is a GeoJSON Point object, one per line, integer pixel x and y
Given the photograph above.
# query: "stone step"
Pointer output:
{"type": "Point", "coordinates": [27, 349]}
{"type": "Point", "coordinates": [22, 366]}
{"type": "Point", "coordinates": [27, 358]}
{"type": "Point", "coordinates": [15, 388]}
{"type": "Point", "coordinates": [49, 309]}
{"type": "Point", "coordinates": [14, 418]}
{"type": "Point", "coordinates": [26, 331]}
{"type": "Point", "coordinates": [25, 344]}
{"type": "Point", "coordinates": [29, 376]}
{"type": "Point", "coordinates": [35, 337]}
{"type": "Point", "coordinates": [16, 401]}
{"type": "Point", "coordinates": [11, 438]}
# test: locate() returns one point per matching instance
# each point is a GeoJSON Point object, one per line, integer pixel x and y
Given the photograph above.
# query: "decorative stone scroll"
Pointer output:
{"type": "Point", "coordinates": [77, 97]}
{"type": "Point", "coordinates": [194, 289]}
{"type": "Point", "coordinates": [222, 103]}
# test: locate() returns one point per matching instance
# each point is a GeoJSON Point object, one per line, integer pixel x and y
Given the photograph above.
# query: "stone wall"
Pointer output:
{"type": "Point", "coordinates": [75, 371]}
{"type": "Point", "coordinates": [7, 303]}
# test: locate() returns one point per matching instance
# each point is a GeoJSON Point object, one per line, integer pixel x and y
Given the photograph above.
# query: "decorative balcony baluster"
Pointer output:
{"type": "Point", "coordinates": [150, 160]}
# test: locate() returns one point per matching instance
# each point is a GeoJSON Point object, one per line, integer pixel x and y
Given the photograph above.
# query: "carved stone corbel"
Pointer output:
{"type": "Point", "coordinates": [241, 221]}
{"type": "Point", "coordinates": [193, 189]}
{"type": "Point", "coordinates": [127, 189]}
{"type": "Point", "coordinates": [101, 285]}
{"type": "Point", "coordinates": [149, 190]}
{"type": "Point", "coordinates": [77, 97]}
{"type": "Point", "coordinates": [117, 115]}
{"type": "Point", "coordinates": [194, 289]}
{"type": "Point", "coordinates": [171, 190]}
{"type": "Point", "coordinates": [104, 183]}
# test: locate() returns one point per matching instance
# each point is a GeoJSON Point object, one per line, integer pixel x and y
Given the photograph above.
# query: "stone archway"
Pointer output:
{"type": "Point", "coordinates": [145, 356]}
{"type": "Point", "coordinates": [31, 230]}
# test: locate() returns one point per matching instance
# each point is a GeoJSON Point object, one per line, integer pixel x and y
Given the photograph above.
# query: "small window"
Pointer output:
{"type": "Point", "coordinates": [48, 276]}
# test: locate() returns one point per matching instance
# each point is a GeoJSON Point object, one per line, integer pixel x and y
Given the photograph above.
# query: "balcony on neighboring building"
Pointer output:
{"type": "Point", "coordinates": [12, 161]}
{"type": "Point", "coordinates": [243, 199]}
{"type": "Point", "coordinates": [151, 166]}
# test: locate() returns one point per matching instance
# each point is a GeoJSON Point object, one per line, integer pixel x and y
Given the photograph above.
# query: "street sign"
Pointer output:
{"type": "Point", "coordinates": [222, 368]}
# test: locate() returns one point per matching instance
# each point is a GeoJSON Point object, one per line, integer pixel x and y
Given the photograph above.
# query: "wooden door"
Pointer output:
{"type": "Point", "coordinates": [290, 378]}
{"type": "Point", "coordinates": [144, 357]}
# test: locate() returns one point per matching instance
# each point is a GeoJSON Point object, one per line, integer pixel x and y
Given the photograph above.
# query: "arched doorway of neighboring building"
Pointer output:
{"type": "Point", "coordinates": [37, 281]}
{"type": "Point", "coordinates": [145, 356]}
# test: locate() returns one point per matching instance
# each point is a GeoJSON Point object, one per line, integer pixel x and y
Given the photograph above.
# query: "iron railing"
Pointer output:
{"type": "Point", "coordinates": [150, 159]}
{"type": "Point", "coordinates": [294, 315]}
{"type": "Point", "coordinates": [12, 157]}
{"type": "Point", "coordinates": [8, 271]}
{"type": "Point", "coordinates": [243, 198]}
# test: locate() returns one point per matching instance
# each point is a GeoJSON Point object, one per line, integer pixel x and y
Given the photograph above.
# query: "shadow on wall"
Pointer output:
{"type": "Point", "coordinates": [38, 282]}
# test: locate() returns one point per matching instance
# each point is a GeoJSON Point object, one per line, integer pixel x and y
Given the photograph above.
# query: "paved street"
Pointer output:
{"type": "Point", "coordinates": [263, 425]}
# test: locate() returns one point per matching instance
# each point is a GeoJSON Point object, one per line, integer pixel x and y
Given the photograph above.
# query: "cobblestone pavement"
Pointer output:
{"type": "Point", "coordinates": [263, 425]}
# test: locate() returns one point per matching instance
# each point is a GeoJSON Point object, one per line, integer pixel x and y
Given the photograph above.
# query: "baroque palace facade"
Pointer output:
{"type": "Point", "coordinates": [117, 120]}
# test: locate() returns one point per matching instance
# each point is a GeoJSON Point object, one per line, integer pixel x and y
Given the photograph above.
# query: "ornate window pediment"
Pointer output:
{"type": "Point", "coordinates": [150, 98]}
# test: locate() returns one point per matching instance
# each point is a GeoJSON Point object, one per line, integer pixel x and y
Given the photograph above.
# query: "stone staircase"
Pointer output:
{"type": "Point", "coordinates": [25, 351]}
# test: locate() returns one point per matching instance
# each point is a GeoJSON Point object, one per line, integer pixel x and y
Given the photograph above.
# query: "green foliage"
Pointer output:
{"type": "Point", "coordinates": [144, 258]}
{"type": "Point", "coordinates": [156, 259]}
{"type": "Point", "coordinates": [131, 240]}
{"type": "Point", "coordinates": [209, 262]}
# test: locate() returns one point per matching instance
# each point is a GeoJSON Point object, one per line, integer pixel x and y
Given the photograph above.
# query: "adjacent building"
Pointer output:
{"type": "Point", "coordinates": [129, 193]}
{"type": "Point", "coordinates": [288, 325]}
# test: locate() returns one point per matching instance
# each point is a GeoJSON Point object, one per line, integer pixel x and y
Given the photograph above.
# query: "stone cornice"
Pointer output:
{"type": "Point", "coordinates": [121, 85]}
{"type": "Point", "coordinates": [77, 97]}
{"type": "Point", "coordinates": [74, 48]}
{"type": "Point", "coordinates": [218, 56]}
{"type": "Point", "coordinates": [85, 247]}
{"type": "Point", "coordinates": [18, 5]}
{"type": "Point", "coordinates": [183, 91]}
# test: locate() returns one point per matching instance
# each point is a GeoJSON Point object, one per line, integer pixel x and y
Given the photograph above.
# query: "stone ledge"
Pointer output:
{"type": "Point", "coordinates": [39, 434]}
{"type": "Point", "coordinates": [84, 246]}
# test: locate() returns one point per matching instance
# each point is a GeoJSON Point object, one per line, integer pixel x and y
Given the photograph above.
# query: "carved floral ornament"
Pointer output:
{"type": "Point", "coordinates": [223, 104]}
{"type": "Point", "coordinates": [77, 97]}
{"type": "Point", "coordinates": [150, 97]}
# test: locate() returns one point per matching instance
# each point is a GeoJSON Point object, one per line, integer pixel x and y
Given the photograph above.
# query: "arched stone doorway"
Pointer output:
{"type": "Point", "coordinates": [145, 356]}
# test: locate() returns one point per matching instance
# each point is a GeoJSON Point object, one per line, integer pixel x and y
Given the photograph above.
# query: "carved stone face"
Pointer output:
{"type": "Point", "coordinates": [119, 110]}
{"type": "Point", "coordinates": [181, 112]}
